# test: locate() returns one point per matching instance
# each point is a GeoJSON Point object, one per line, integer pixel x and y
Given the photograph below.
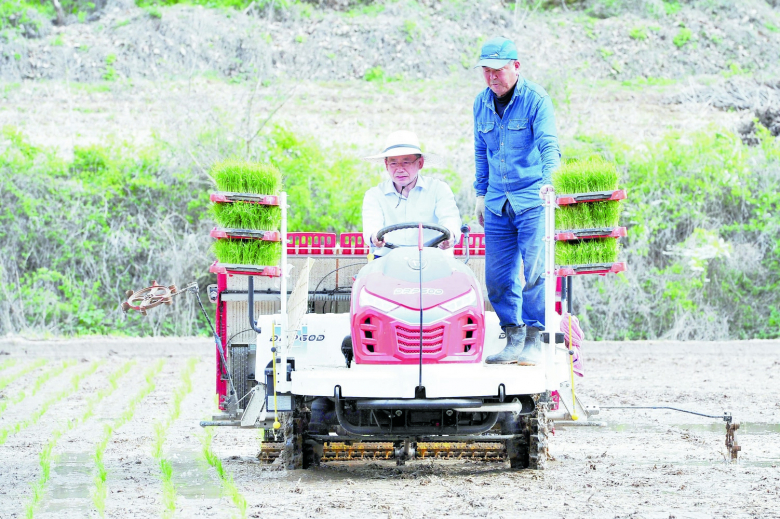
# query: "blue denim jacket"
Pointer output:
{"type": "Point", "coordinates": [515, 155]}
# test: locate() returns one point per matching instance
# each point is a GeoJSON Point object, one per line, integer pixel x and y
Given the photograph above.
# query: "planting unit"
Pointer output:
{"type": "Point", "coordinates": [387, 361]}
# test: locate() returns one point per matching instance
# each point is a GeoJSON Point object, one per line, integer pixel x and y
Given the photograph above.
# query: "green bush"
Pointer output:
{"type": "Point", "coordinates": [682, 37]}
{"type": "Point", "coordinates": [75, 234]}
{"type": "Point", "coordinates": [703, 245]}
{"type": "Point", "coordinates": [325, 189]}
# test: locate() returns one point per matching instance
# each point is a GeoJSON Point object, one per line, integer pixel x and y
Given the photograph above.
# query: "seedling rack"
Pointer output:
{"type": "Point", "coordinates": [225, 197]}
{"type": "Point", "coordinates": [591, 268]}
{"type": "Point", "coordinates": [584, 234]}
{"type": "Point", "coordinates": [245, 270]}
{"type": "Point", "coordinates": [601, 233]}
{"type": "Point", "coordinates": [245, 234]}
{"type": "Point", "coordinates": [595, 196]}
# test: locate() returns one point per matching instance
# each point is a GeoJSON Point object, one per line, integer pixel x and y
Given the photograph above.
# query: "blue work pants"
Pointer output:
{"type": "Point", "coordinates": [508, 239]}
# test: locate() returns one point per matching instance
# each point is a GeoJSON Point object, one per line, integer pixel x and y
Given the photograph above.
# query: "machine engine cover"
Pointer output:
{"type": "Point", "coordinates": [385, 310]}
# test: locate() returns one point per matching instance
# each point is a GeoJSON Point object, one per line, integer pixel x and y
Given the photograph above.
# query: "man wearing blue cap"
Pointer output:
{"type": "Point", "coordinates": [516, 150]}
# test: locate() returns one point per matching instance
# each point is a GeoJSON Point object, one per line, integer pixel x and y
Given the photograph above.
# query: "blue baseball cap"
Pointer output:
{"type": "Point", "coordinates": [496, 53]}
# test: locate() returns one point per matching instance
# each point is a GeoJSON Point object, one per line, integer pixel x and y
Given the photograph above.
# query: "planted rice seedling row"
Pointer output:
{"type": "Point", "coordinates": [228, 485]}
{"type": "Point", "coordinates": [37, 385]}
{"type": "Point", "coordinates": [160, 433]}
{"type": "Point", "coordinates": [99, 491]}
{"type": "Point", "coordinates": [4, 381]}
{"type": "Point", "coordinates": [7, 363]}
{"type": "Point", "coordinates": [74, 385]}
{"type": "Point", "coordinates": [45, 457]}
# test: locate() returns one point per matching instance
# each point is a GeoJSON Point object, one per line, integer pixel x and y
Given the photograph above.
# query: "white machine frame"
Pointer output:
{"type": "Point", "coordinates": [317, 373]}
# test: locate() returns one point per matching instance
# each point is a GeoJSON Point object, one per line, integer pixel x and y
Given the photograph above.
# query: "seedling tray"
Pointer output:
{"type": "Point", "coordinates": [584, 234]}
{"type": "Point", "coordinates": [596, 196]}
{"type": "Point", "coordinates": [228, 197]}
{"type": "Point", "coordinates": [591, 268]}
{"type": "Point", "coordinates": [245, 234]}
{"type": "Point", "coordinates": [244, 270]}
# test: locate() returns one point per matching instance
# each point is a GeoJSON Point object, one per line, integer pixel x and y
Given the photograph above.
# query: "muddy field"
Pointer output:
{"type": "Point", "coordinates": [72, 411]}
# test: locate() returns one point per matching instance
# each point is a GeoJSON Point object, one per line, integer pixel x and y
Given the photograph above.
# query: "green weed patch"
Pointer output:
{"type": "Point", "coordinates": [139, 211]}
{"type": "Point", "coordinates": [244, 215]}
{"type": "Point", "coordinates": [585, 252]}
{"type": "Point", "coordinates": [248, 252]}
{"type": "Point", "coordinates": [8, 363]}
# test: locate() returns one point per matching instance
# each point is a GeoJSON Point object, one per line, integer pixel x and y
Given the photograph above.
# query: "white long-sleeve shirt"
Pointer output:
{"type": "Point", "coordinates": [430, 201]}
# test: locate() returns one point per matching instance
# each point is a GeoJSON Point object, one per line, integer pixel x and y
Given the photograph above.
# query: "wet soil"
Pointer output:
{"type": "Point", "coordinates": [640, 463]}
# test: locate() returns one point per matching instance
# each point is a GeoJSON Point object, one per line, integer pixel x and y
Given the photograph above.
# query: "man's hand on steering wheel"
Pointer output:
{"type": "Point", "coordinates": [378, 244]}
{"type": "Point", "coordinates": [446, 244]}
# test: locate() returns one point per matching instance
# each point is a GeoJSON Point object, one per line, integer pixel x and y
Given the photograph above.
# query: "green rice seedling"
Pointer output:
{"type": "Point", "coordinates": [4, 381]}
{"type": "Point", "coordinates": [228, 485]}
{"type": "Point", "coordinates": [584, 252]}
{"type": "Point", "coordinates": [72, 388]}
{"type": "Point", "coordinates": [100, 491]}
{"type": "Point", "coordinates": [169, 489]}
{"type": "Point", "coordinates": [7, 364]}
{"type": "Point", "coordinates": [160, 432]}
{"type": "Point", "coordinates": [241, 176]}
{"type": "Point", "coordinates": [37, 385]}
{"type": "Point", "coordinates": [585, 176]}
{"type": "Point", "coordinates": [45, 457]}
{"type": "Point", "coordinates": [245, 215]}
{"type": "Point", "coordinates": [588, 215]}
{"type": "Point", "coordinates": [248, 252]}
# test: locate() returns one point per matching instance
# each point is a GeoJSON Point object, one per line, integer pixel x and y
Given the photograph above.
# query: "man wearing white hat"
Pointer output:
{"type": "Point", "coordinates": [407, 196]}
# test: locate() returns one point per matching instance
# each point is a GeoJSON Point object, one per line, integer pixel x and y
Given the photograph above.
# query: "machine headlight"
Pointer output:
{"type": "Point", "coordinates": [367, 299]}
{"type": "Point", "coordinates": [461, 302]}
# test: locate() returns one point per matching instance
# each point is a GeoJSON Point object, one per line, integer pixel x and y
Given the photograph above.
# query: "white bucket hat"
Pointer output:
{"type": "Point", "coordinates": [404, 142]}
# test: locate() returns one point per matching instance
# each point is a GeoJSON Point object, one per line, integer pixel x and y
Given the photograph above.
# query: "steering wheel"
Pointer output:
{"type": "Point", "coordinates": [433, 242]}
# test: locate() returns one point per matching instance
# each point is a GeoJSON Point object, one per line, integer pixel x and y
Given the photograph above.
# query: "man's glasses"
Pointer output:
{"type": "Point", "coordinates": [401, 163]}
